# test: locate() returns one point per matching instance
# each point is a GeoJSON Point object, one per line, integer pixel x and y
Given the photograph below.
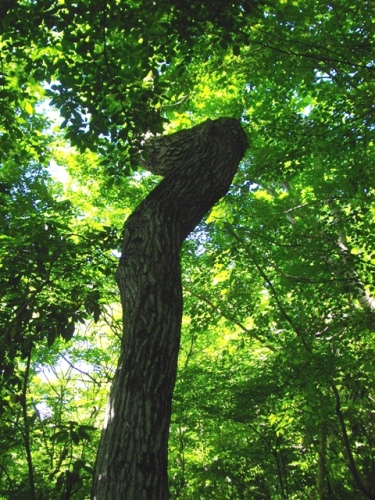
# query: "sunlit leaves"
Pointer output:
{"type": "Point", "coordinates": [273, 324]}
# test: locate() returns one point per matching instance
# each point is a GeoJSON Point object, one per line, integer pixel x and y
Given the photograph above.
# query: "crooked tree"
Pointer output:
{"type": "Point", "coordinates": [298, 251]}
{"type": "Point", "coordinates": [198, 166]}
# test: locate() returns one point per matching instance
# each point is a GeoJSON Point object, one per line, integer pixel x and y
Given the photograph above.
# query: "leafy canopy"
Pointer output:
{"type": "Point", "coordinates": [275, 391]}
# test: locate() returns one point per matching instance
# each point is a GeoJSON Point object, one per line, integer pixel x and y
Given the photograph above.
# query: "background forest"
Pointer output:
{"type": "Point", "coordinates": [275, 393]}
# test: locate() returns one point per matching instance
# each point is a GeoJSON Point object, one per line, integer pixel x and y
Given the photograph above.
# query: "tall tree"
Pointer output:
{"type": "Point", "coordinates": [198, 165]}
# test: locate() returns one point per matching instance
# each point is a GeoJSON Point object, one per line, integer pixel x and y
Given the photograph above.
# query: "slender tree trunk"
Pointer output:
{"type": "Point", "coordinates": [356, 286]}
{"type": "Point", "coordinates": [26, 433]}
{"type": "Point", "coordinates": [198, 165]}
{"type": "Point", "coordinates": [347, 447]}
{"type": "Point", "coordinates": [321, 480]}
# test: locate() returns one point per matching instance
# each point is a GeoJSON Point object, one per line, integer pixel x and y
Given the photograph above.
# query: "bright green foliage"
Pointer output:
{"type": "Point", "coordinates": [275, 395]}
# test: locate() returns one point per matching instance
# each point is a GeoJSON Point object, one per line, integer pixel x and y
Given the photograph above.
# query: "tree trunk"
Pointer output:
{"type": "Point", "coordinates": [198, 165]}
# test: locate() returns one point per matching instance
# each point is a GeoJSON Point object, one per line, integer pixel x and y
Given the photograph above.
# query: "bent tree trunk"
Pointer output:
{"type": "Point", "coordinates": [198, 165]}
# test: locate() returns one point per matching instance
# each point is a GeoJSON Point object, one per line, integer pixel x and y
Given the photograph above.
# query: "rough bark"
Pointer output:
{"type": "Point", "coordinates": [198, 165]}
